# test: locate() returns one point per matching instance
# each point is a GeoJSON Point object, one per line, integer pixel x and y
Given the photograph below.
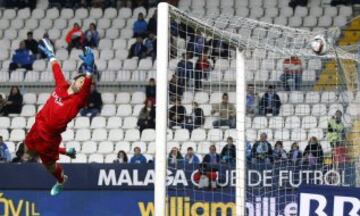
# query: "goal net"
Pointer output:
{"type": "Point", "coordinates": [247, 112]}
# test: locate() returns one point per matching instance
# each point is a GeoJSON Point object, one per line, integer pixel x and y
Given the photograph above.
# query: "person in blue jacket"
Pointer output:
{"type": "Point", "coordinates": [138, 158]}
{"type": "Point", "coordinates": [140, 26]}
{"type": "Point", "coordinates": [22, 58]}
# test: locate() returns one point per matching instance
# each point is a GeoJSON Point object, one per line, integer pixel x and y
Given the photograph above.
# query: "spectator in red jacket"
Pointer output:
{"type": "Point", "coordinates": [75, 37]}
{"type": "Point", "coordinates": [292, 71]}
{"type": "Point", "coordinates": [202, 69]}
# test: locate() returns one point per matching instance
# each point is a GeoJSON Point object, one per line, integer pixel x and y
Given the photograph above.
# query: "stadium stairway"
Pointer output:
{"type": "Point", "coordinates": [328, 80]}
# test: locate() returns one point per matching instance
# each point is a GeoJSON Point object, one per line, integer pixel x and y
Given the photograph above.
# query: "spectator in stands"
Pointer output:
{"type": "Point", "coordinates": [336, 130]}
{"type": "Point", "coordinates": [138, 157]}
{"type": "Point", "coordinates": [197, 44]}
{"type": "Point", "coordinates": [75, 37]}
{"type": "Point", "coordinates": [150, 44]}
{"type": "Point", "coordinates": [5, 155]}
{"type": "Point", "coordinates": [227, 113]}
{"type": "Point", "coordinates": [45, 36]}
{"type": "Point", "coordinates": [92, 36]}
{"type": "Point", "coordinates": [175, 90]}
{"type": "Point", "coordinates": [19, 4]}
{"type": "Point", "coordinates": [196, 119]}
{"type": "Point", "coordinates": [295, 154]}
{"type": "Point", "coordinates": [94, 103]}
{"type": "Point", "coordinates": [313, 154]}
{"type": "Point", "coordinates": [22, 58]}
{"type": "Point", "coordinates": [14, 102]}
{"type": "Point", "coordinates": [202, 70]}
{"type": "Point", "coordinates": [2, 103]}
{"type": "Point", "coordinates": [21, 157]}
{"type": "Point", "coordinates": [138, 49]}
{"type": "Point", "coordinates": [228, 153]}
{"type": "Point", "coordinates": [121, 158]}
{"type": "Point", "coordinates": [252, 100]}
{"type": "Point", "coordinates": [212, 157]}
{"type": "Point", "coordinates": [190, 157]}
{"type": "Point", "coordinates": [262, 151]}
{"type": "Point", "coordinates": [248, 152]}
{"type": "Point", "coordinates": [177, 114]}
{"type": "Point", "coordinates": [152, 27]}
{"type": "Point", "coordinates": [140, 26]}
{"type": "Point", "coordinates": [96, 73]}
{"type": "Point", "coordinates": [220, 49]}
{"type": "Point", "coordinates": [279, 154]}
{"type": "Point", "coordinates": [150, 90]}
{"type": "Point", "coordinates": [31, 44]}
{"type": "Point", "coordinates": [295, 3]}
{"type": "Point", "coordinates": [185, 69]}
{"type": "Point", "coordinates": [175, 156]}
{"type": "Point", "coordinates": [270, 102]}
{"type": "Point", "coordinates": [146, 117]}
{"type": "Point", "coordinates": [292, 73]}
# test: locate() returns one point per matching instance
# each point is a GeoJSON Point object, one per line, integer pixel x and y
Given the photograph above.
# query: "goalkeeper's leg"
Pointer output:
{"type": "Point", "coordinates": [57, 171]}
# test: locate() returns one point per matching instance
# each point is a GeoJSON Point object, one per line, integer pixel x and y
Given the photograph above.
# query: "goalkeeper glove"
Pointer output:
{"type": "Point", "coordinates": [88, 59]}
{"type": "Point", "coordinates": [47, 49]}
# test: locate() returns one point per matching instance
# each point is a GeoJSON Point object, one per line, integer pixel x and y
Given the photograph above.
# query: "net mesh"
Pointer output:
{"type": "Point", "coordinates": [301, 114]}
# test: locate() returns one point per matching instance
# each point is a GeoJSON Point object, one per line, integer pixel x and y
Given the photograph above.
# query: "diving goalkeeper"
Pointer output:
{"type": "Point", "coordinates": [62, 106]}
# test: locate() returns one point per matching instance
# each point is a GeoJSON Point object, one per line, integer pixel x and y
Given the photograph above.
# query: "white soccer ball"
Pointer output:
{"type": "Point", "coordinates": [319, 45]}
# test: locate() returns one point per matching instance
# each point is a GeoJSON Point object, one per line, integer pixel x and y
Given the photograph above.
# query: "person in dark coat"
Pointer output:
{"type": "Point", "coordinates": [177, 114]}
{"type": "Point", "coordinates": [270, 102]}
{"type": "Point", "coordinates": [295, 154]}
{"type": "Point", "coordinates": [228, 153]}
{"type": "Point", "coordinates": [152, 26]}
{"type": "Point", "coordinates": [196, 119]}
{"type": "Point", "coordinates": [31, 44]}
{"type": "Point", "coordinates": [138, 49]}
{"type": "Point", "coordinates": [94, 103]}
{"type": "Point", "coordinates": [313, 153]}
{"type": "Point", "coordinates": [150, 90]}
{"type": "Point", "coordinates": [147, 116]}
{"type": "Point", "coordinates": [212, 157]}
{"type": "Point", "coordinates": [185, 69]}
{"type": "Point", "coordinates": [262, 151]}
{"type": "Point", "coordinates": [14, 102]}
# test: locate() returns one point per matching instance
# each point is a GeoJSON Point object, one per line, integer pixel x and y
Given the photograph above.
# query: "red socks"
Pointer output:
{"type": "Point", "coordinates": [58, 173]}
{"type": "Point", "coordinates": [62, 150]}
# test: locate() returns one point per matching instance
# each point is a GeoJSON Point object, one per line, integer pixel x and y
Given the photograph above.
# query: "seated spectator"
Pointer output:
{"type": "Point", "coordinates": [152, 26]}
{"type": "Point", "coordinates": [295, 154]}
{"type": "Point", "coordinates": [185, 69]}
{"type": "Point", "coordinates": [190, 157]}
{"type": "Point", "coordinates": [262, 151]}
{"type": "Point", "coordinates": [42, 54]}
{"type": "Point", "coordinates": [252, 100]}
{"type": "Point", "coordinates": [5, 155]}
{"type": "Point", "coordinates": [228, 153]}
{"type": "Point", "coordinates": [150, 90]}
{"type": "Point", "coordinates": [94, 103]}
{"type": "Point", "coordinates": [270, 102]}
{"type": "Point", "coordinates": [175, 156]}
{"type": "Point", "coordinates": [279, 154]}
{"type": "Point", "coordinates": [140, 26]}
{"type": "Point", "coordinates": [138, 158]}
{"type": "Point", "coordinates": [2, 103]}
{"type": "Point", "coordinates": [196, 119]}
{"type": "Point", "coordinates": [220, 49]}
{"type": "Point", "coordinates": [336, 130]}
{"type": "Point", "coordinates": [177, 114]}
{"type": "Point", "coordinates": [313, 154]}
{"type": "Point", "coordinates": [197, 44]}
{"type": "Point", "coordinates": [121, 158]}
{"type": "Point", "coordinates": [295, 3]}
{"type": "Point", "coordinates": [96, 73]}
{"type": "Point", "coordinates": [175, 90]}
{"type": "Point", "coordinates": [138, 49]}
{"type": "Point", "coordinates": [202, 70]}
{"type": "Point", "coordinates": [22, 58]}
{"type": "Point", "coordinates": [21, 157]}
{"type": "Point", "coordinates": [92, 36]}
{"type": "Point", "coordinates": [75, 37]}
{"type": "Point", "coordinates": [146, 117]}
{"type": "Point", "coordinates": [292, 73]}
{"type": "Point", "coordinates": [248, 151]}
{"type": "Point", "coordinates": [14, 102]}
{"type": "Point", "coordinates": [212, 157]}
{"type": "Point", "coordinates": [150, 44]}
{"type": "Point", "coordinates": [31, 44]}
{"type": "Point", "coordinates": [227, 113]}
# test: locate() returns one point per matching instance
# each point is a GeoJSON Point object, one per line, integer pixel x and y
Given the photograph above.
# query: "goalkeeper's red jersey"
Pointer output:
{"type": "Point", "coordinates": [61, 107]}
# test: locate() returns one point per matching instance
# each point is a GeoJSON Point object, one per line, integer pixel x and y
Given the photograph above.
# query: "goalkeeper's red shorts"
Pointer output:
{"type": "Point", "coordinates": [47, 149]}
